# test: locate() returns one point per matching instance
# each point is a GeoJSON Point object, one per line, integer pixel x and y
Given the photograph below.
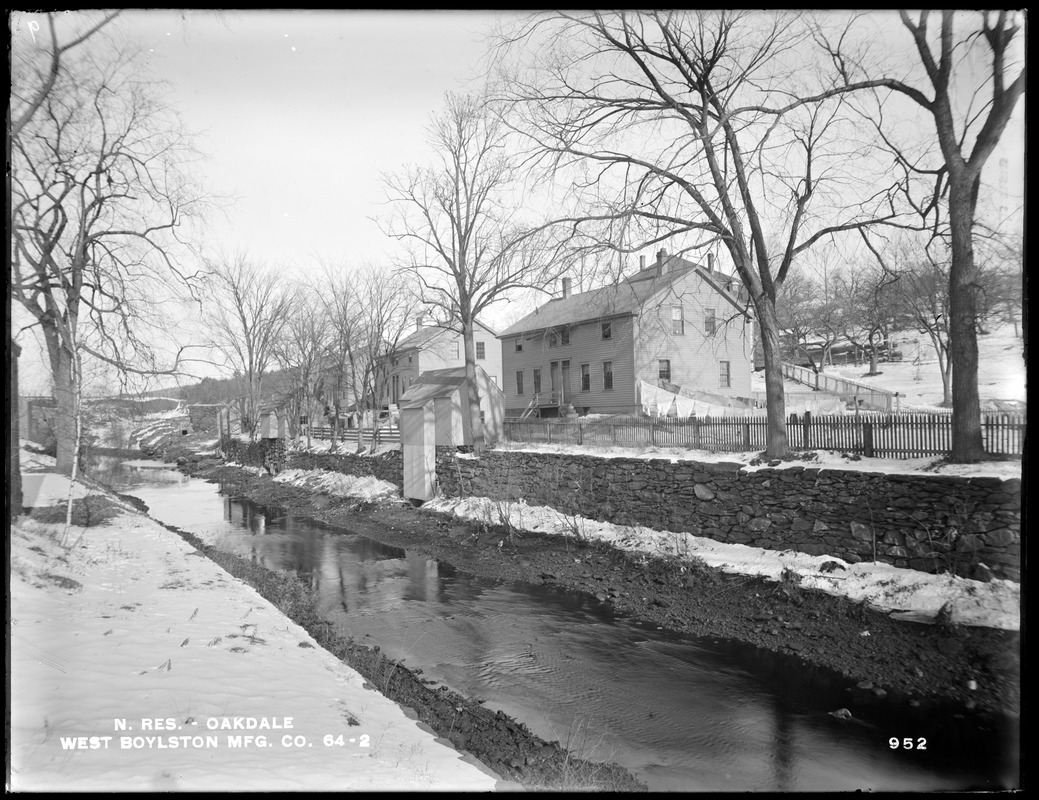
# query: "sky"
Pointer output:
{"type": "Point", "coordinates": [301, 113]}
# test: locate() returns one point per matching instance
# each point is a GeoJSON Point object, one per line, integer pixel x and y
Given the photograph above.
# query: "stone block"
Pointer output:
{"type": "Point", "coordinates": [1000, 537]}
{"type": "Point", "coordinates": [703, 492]}
{"type": "Point", "coordinates": [969, 543]}
{"type": "Point", "coordinates": [864, 533]}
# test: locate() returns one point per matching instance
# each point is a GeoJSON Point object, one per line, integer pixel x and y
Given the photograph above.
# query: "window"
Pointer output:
{"type": "Point", "coordinates": [481, 350]}
{"type": "Point", "coordinates": [725, 374]}
{"type": "Point", "coordinates": [457, 353]}
{"type": "Point", "coordinates": [710, 324]}
{"type": "Point", "coordinates": [519, 345]}
{"type": "Point", "coordinates": [677, 320]}
{"type": "Point", "coordinates": [553, 340]}
{"type": "Point", "coordinates": [537, 381]}
{"type": "Point", "coordinates": [586, 377]}
{"type": "Point", "coordinates": [409, 359]}
{"type": "Point", "coordinates": [564, 336]}
{"type": "Point", "coordinates": [519, 381]}
{"type": "Point", "coordinates": [607, 330]}
{"type": "Point", "coordinates": [664, 369]}
{"type": "Point", "coordinates": [607, 375]}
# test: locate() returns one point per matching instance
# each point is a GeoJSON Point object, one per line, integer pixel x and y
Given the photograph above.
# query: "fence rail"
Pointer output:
{"type": "Point", "coordinates": [873, 435]}
{"type": "Point", "coordinates": [846, 388]}
{"type": "Point", "coordinates": [387, 434]}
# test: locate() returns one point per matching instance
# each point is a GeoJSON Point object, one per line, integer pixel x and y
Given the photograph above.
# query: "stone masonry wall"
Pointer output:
{"type": "Point", "coordinates": [968, 526]}
{"type": "Point", "coordinates": [388, 466]}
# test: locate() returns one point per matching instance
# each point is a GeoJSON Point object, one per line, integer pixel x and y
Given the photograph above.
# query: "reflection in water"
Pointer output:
{"type": "Point", "coordinates": [682, 713]}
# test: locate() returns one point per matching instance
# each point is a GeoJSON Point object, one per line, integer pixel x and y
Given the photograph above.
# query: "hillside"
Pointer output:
{"type": "Point", "coordinates": [1001, 371]}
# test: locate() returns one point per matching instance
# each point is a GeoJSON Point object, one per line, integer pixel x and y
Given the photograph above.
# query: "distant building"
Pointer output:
{"type": "Point", "coordinates": [431, 347]}
{"type": "Point", "coordinates": [672, 324]}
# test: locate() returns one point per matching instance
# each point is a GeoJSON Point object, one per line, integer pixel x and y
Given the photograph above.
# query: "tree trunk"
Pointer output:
{"type": "Point", "coordinates": [967, 443]}
{"type": "Point", "coordinates": [473, 389]}
{"type": "Point", "coordinates": [776, 442]}
{"type": "Point", "coordinates": [65, 399]}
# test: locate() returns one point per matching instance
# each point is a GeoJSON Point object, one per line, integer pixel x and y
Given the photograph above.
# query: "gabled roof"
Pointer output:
{"type": "Point", "coordinates": [427, 333]}
{"type": "Point", "coordinates": [626, 297]}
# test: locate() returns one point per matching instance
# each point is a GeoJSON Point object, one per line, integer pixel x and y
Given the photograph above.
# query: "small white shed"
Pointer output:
{"type": "Point", "coordinates": [273, 424]}
{"type": "Point", "coordinates": [434, 412]}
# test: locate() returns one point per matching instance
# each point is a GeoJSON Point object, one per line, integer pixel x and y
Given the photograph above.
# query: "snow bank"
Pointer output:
{"type": "Point", "coordinates": [339, 484]}
{"type": "Point", "coordinates": [134, 662]}
{"type": "Point", "coordinates": [907, 594]}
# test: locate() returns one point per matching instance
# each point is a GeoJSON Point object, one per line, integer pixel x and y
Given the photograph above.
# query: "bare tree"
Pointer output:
{"type": "Point", "coordinates": [967, 133]}
{"type": "Point", "coordinates": [919, 295]}
{"type": "Point", "coordinates": [460, 222]}
{"type": "Point", "coordinates": [252, 306]}
{"type": "Point", "coordinates": [299, 353]}
{"type": "Point", "coordinates": [369, 310]}
{"type": "Point", "coordinates": [102, 201]}
{"type": "Point", "coordinates": [712, 126]}
{"type": "Point", "coordinates": [872, 310]}
{"type": "Point", "coordinates": [27, 98]}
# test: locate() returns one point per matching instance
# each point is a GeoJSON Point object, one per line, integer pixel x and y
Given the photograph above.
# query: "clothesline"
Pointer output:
{"type": "Point", "coordinates": [657, 402]}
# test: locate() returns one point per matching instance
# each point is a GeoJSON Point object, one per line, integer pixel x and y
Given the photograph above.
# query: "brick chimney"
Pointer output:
{"type": "Point", "coordinates": [710, 262]}
{"type": "Point", "coordinates": [661, 259]}
{"type": "Point", "coordinates": [420, 320]}
{"type": "Point", "coordinates": [566, 287]}
{"type": "Point", "coordinates": [642, 263]}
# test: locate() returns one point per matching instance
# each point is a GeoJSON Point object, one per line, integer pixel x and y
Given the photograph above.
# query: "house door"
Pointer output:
{"type": "Point", "coordinates": [553, 376]}
{"type": "Point", "coordinates": [564, 391]}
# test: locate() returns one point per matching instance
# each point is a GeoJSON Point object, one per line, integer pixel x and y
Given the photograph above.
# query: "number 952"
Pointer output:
{"type": "Point", "coordinates": [907, 744]}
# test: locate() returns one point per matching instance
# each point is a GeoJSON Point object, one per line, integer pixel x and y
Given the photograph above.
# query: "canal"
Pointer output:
{"type": "Point", "coordinates": [683, 714]}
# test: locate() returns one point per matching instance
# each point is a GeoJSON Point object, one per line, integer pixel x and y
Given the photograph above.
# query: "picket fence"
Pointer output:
{"type": "Point", "coordinates": [872, 435]}
{"type": "Point", "coordinates": [387, 434]}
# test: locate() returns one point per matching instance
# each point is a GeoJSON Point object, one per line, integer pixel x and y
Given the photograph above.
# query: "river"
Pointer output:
{"type": "Point", "coordinates": [682, 713]}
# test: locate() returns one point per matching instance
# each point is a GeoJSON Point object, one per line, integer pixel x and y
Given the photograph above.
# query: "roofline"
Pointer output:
{"type": "Point", "coordinates": [571, 322]}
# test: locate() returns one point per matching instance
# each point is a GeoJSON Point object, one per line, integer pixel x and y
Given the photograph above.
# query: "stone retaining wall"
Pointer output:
{"type": "Point", "coordinates": [388, 466]}
{"type": "Point", "coordinates": [969, 526]}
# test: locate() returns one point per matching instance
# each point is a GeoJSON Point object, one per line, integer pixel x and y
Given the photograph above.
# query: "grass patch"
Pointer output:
{"type": "Point", "coordinates": [94, 509]}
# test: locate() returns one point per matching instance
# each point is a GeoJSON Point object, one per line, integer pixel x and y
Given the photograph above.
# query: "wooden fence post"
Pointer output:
{"type": "Point", "coordinates": [808, 430]}
{"type": "Point", "coordinates": [746, 436]}
{"type": "Point", "coordinates": [867, 439]}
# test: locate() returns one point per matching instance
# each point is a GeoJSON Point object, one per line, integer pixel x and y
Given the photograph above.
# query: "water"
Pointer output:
{"type": "Point", "coordinates": [683, 714]}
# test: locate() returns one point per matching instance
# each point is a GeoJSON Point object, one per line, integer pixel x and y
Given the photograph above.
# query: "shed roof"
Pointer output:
{"type": "Point", "coordinates": [433, 384]}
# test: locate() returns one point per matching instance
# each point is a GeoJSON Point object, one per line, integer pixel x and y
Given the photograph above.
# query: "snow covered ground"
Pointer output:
{"type": "Point", "coordinates": [137, 665]}
{"type": "Point", "coordinates": [1001, 371]}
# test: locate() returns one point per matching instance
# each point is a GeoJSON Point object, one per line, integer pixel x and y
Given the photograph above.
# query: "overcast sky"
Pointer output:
{"type": "Point", "coordinates": [301, 112]}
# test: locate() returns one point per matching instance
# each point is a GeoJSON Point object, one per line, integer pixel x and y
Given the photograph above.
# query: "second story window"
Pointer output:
{"type": "Point", "coordinates": [607, 375]}
{"type": "Point", "coordinates": [481, 350]}
{"type": "Point", "coordinates": [564, 336]}
{"type": "Point", "coordinates": [664, 369]}
{"type": "Point", "coordinates": [519, 345]}
{"type": "Point", "coordinates": [677, 320]}
{"type": "Point", "coordinates": [710, 324]}
{"type": "Point", "coordinates": [607, 330]}
{"type": "Point", "coordinates": [724, 374]}
{"type": "Point", "coordinates": [553, 339]}
{"type": "Point", "coordinates": [457, 352]}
